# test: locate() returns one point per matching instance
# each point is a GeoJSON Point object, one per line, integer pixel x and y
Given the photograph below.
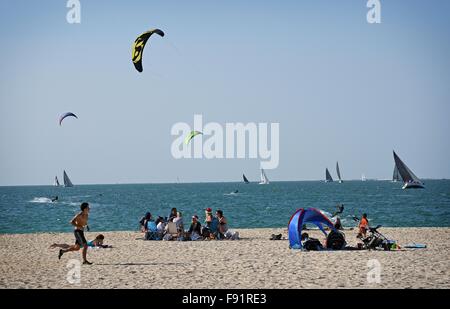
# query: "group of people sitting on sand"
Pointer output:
{"type": "Point", "coordinates": [172, 227]}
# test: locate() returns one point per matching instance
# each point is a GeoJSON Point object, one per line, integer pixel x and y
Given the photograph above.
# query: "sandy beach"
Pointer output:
{"type": "Point", "coordinates": [252, 262]}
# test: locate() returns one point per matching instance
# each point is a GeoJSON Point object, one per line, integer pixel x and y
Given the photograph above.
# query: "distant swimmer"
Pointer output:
{"type": "Point", "coordinates": [55, 199]}
{"type": "Point", "coordinates": [340, 210]}
{"type": "Point", "coordinates": [236, 192]}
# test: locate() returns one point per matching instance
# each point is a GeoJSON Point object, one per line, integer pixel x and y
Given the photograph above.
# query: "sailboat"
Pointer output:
{"type": "Point", "coordinates": [338, 172]}
{"type": "Point", "coordinates": [245, 179]}
{"type": "Point", "coordinates": [56, 183]}
{"type": "Point", "coordinates": [328, 177]}
{"type": "Point", "coordinates": [408, 177]}
{"type": "Point", "coordinates": [67, 182]}
{"type": "Point", "coordinates": [363, 177]}
{"type": "Point", "coordinates": [396, 175]}
{"type": "Point", "coordinates": [264, 179]}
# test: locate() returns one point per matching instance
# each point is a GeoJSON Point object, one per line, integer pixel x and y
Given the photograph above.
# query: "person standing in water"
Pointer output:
{"type": "Point", "coordinates": [79, 222]}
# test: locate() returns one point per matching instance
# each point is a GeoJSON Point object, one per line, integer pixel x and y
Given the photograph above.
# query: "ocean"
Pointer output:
{"type": "Point", "coordinates": [28, 209]}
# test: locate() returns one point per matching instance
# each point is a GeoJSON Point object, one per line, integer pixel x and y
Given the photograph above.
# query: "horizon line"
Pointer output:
{"type": "Point", "coordinates": [202, 182]}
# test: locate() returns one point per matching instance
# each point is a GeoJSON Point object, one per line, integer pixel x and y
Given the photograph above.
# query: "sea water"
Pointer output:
{"type": "Point", "coordinates": [29, 209]}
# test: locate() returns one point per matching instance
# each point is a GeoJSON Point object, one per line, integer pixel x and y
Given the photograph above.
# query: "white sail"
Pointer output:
{"type": "Point", "coordinates": [56, 183]}
{"type": "Point", "coordinates": [67, 182]}
{"type": "Point", "coordinates": [264, 179]}
{"type": "Point", "coordinates": [363, 177]}
{"type": "Point", "coordinates": [338, 172]}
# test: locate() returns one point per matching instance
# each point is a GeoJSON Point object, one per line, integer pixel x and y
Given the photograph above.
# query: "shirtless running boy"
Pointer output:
{"type": "Point", "coordinates": [79, 222]}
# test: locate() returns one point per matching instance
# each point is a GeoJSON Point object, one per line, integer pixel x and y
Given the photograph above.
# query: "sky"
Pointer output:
{"type": "Point", "coordinates": [340, 88]}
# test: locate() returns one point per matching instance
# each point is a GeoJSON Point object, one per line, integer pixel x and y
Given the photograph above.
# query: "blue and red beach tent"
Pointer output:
{"type": "Point", "coordinates": [301, 217]}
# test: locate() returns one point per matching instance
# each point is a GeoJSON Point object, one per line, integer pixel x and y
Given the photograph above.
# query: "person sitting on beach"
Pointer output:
{"type": "Point", "coordinates": [179, 221]}
{"type": "Point", "coordinates": [172, 215]}
{"type": "Point", "coordinates": [195, 229]}
{"type": "Point", "coordinates": [305, 238]}
{"type": "Point", "coordinates": [79, 222]}
{"type": "Point", "coordinates": [160, 226]}
{"type": "Point", "coordinates": [151, 230]}
{"type": "Point", "coordinates": [211, 228]}
{"type": "Point", "coordinates": [148, 220]}
{"type": "Point", "coordinates": [144, 220]}
{"type": "Point", "coordinates": [208, 217]}
{"type": "Point", "coordinates": [97, 242]}
{"type": "Point", "coordinates": [223, 224]}
{"type": "Point", "coordinates": [311, 244]}
{"type": "Point", "coordinates": [363, 226]}
{"type": "Point", "coordinates": [335, 240]}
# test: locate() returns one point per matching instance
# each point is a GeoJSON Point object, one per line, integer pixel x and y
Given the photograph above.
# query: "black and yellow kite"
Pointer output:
{"type": "Point", "coordinates": [138, 47]}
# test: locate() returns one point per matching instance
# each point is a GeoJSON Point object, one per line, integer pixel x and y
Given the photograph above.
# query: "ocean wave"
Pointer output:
{"type": "Point", "coordinates": [42, 200]}
{"type": "Point", "coordinates": [80, 196]}
{"type": "Point", "coordinates": [70, 203]}
{"type": "Point", "coordinates": [325, 213]}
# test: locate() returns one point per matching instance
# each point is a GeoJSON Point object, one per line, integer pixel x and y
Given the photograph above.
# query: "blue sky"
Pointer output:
{"type": "Point", "coordinates": [341, 89]}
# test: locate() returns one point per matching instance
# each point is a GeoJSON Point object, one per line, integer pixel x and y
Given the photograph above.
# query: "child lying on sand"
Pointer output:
{"type": "Point", "coordinates": [97, 242]}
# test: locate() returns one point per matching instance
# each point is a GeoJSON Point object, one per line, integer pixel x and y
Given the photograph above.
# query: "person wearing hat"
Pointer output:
{"type": "Point", "coordinates": [209, 217]}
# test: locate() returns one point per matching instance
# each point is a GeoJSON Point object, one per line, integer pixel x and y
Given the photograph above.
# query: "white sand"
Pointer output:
{"type": "Point", "coordinates": [253, 262]}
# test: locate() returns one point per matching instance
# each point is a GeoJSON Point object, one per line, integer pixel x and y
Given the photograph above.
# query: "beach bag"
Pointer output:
{"type": "Point", "coordinates": [390, 245]}
{"type": "Point", "coordinates": [312, 244]}
{"type": "Point", "coordinates": [231, 235]}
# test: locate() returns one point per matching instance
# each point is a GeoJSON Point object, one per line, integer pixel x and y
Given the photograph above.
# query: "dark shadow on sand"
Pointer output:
{"type": "Point", "coordinates": [140, 264]}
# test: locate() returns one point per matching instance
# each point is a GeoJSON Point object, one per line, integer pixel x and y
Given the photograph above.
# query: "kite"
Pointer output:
{"type": "Point", "coordinates": [63, 116]}
{"type": "Point", "coordinates": [191, 136]}
{"type": "Point", "coordinates": [138, 47]}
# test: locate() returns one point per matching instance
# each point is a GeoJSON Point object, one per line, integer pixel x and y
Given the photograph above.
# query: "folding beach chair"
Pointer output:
{"type": "Point", "coordinates": [172, 229]}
